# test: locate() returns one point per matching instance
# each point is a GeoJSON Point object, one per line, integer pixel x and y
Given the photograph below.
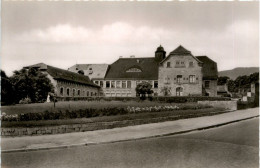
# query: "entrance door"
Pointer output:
{"type": "Point", "coordinates": [179, 91]}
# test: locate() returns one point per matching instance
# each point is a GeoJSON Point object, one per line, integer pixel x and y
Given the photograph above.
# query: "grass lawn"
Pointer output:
{"type": "Point", "coordinates": [74, 105]}
{"type": "Point", "coordinates": [180, 114]}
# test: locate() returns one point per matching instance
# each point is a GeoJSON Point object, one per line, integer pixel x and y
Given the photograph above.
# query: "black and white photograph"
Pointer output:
{"type": "Point", "coordinates": [129, 84]}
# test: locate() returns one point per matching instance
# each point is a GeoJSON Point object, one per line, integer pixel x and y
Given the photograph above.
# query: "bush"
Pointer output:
{"type": "Point", "coordinates": [25, 101]}
{"type": "Point", "coordinates": [94, 112]}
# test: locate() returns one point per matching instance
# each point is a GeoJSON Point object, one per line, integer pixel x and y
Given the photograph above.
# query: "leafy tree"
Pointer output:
{"type": "Point", "coordinates": [142, 89]}
{"type": "Point", "coordinates": [166, 90]}
{"type": "Point", "coordinates": [7, 90]}
{"type": "Point", "coordinates": [242, 82]}
{"type": "Point", "coordinates": [31, 83]}
{"type": "Point", "coordinates": [222, 80]}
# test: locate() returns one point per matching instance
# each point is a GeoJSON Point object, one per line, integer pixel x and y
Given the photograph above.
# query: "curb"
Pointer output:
{"type": "Point", "coordinates": [154, 136]}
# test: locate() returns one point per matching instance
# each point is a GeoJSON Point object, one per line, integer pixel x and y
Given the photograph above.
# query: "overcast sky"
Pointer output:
{"type": "Point", "coordinates": [65, 33]}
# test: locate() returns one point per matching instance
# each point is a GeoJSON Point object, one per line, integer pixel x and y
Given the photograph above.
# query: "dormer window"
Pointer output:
{"type": "Point", "coordinates": [90, 71]}
{"type": "Point", "coordinates": [134, 70]}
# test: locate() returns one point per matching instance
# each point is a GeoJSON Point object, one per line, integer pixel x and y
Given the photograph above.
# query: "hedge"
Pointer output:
{"type": "Point", "coordinates": [174, 99]}
{"type": "Point", "coordinates": [91, 112]}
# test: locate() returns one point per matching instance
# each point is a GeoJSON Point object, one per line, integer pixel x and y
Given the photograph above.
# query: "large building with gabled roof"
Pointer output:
{"type": "Point", "coordinates": [178, 74]}
{"type": "Point", "coordinates": [68, 84]}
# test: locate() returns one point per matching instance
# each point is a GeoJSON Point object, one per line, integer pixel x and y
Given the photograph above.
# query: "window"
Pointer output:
{"type": "Point", "coordinates": [61, 91]}
{"type": "Point", "coordinates": [118, 84]}
{"type": "Point", "coordinates": [168, 64]}
{"type": "Point", "coordinates": [68, 92]}
{"type": "Point", "coordinates": [128, 84]}
{"type": "Point", "coordinates": [90, 71]}
{"type": "Point", "coordinates": [206, 84]}
{"type": "Point", "coordinates": [107, 84]}
{"type": "Point", "coordinates": [112, 84]}
{"type": "Point", "coordinates": [191, 64]}
{"type": "Point", "coordinates": [78, 92]}
{"type": "Point", "coordinates": [83, 93]}
{"type": "Point", "coordinates": [182, 62]}
{"type": "Point", "coordinates": [179, 77]}
{"type": "Point", "coordinates": [155, 84]}
{"type": "Point", "coordinates": [73, 92]}
{"type": "Point", "coordinates": [134, 70]}
{"type": "Point", "coordinates": [123, 84]}
{"type": "Point", "coordinates": [179, 91]}
{"type": "Point", "coordinates": [177, 62]}
{"type": "Point", "coordinates": [87, 93]}
{"type": "Point", "coordinates": [167, 80]}
{"type": "Point", "coordinates": [192, 78]}
{"type": "Point", "coordinates": [96, 82]}
{"type": "Point", "coordinates": [101, 83]}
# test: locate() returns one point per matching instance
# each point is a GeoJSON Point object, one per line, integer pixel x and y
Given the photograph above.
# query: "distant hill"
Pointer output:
{"type": "Point", "coordinates": [234, 73]}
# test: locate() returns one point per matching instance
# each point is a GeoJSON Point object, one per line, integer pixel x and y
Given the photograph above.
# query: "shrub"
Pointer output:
{"type": "Point", "coordinates": [25, 101]}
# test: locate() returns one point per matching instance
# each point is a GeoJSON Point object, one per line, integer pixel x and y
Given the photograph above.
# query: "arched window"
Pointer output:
{"type": "Point", "coordinates": [78, 92]}
{"type": "Point", "coordinates": [179, 91]}
{"type": "Point", "coordinates": [61, 91]}
{"type": "Point", "coordinates": [73, 92]}
{"type": "Point", "coordinates": [68, 92]}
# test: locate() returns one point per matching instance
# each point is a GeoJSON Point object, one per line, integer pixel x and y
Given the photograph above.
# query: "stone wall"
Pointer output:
{"type": "Point", "coordinates": [231, 105]}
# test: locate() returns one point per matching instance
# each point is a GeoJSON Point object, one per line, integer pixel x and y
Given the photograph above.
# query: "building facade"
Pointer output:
{"type": "Point", "coordinates": [178, 74]}
{"type": "Point", "coordinates": [68, 84]}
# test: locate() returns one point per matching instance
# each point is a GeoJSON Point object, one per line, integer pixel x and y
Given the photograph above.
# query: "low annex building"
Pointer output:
{"type": "Point", "coordinates": [178, 74]}
{"type": "Point", "coordinates": [68, 84]}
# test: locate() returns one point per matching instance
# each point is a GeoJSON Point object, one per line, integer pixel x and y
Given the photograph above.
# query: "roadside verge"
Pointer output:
{"type": "Point", "coordinates": [44, 142]}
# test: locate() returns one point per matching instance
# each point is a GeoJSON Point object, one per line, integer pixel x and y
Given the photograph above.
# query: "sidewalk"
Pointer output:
{"type": "Point", "coordinates": [26, 143]}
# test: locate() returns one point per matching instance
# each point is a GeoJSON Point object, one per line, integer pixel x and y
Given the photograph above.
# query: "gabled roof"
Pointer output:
{"type": "Point", "coordinates": [93, 71]}
{"type": "Point", "coordinates": [62, 74]}
{"type": "Point", "coordinates": [180, 51]}
{"type": "Point", "coordinates": [209, 68]}
{"type": "Point", "coordinates": [148, 66]}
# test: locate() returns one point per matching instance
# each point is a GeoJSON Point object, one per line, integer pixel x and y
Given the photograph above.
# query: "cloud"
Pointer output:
{"type": "Point", "coordinates": [61, 33]}
{"type": "Point", "coordinates": [117, 32]}
{"type": "Point", "coordinates": [235, 45]}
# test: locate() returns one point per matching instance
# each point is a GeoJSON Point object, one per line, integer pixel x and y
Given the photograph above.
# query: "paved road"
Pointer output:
{"type": "Point", "coordinates": [234, 145]}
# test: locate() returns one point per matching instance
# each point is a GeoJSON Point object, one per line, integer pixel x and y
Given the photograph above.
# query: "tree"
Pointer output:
{"type": "Point", "coordinates": [222, 80]}
{"type": "Point", "coordinates": [166, 91]}
{"type": "Point", "coordinates": [7, 90]}
{"type": "Point", "coordinates": [142, 89]}
{"type": "Point", "coordinates": [31, 83]}
{"type": "Point", "coordinates": [242, 82]}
